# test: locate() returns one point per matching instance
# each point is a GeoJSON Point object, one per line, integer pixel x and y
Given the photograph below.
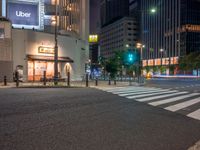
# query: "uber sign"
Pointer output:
{"type": "Point", "coordinates": [23, 14]}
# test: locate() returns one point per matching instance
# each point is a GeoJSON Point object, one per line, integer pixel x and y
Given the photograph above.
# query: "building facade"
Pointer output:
{"type": "Point", "coordinates": [118, 36]}
{"type": "Point", "coordinates": [171, 32]}
{"type": "Point", "coordinates": [6, 54]}
{"type": "Point", "coordinates": [34, 22]}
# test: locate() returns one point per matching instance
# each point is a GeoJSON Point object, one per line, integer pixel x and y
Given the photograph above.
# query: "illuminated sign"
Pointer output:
{"type": "Point", "coordinates": [23, 13]}
{"type": "Point", "coordinates": [46, 50]}
{"type": "Point", "coordinates": [93, 38]}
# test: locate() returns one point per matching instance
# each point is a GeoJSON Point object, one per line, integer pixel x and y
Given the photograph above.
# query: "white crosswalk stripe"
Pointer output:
{"type": "Point", "coordinates": [141, 92]}
{"type": "Point", "coordinates": [132, 90]}
{"type": "Point", "coordinates": [183, 105]}
{"type": "Point", "coordinates": [161, 97]}
{"type": "Point", "coordinates": [195, 114]}
{"type": "Point", "coordinates": [157, 103]}
{"type": "Point", "coordinates": [138, 96]}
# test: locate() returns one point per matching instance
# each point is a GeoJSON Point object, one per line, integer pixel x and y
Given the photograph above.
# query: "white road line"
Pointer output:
{"type": "Point", "coordinates": [126, 91]}
{"type": "Point", "coordinates": [195, 114]}
{"type": "Point", "coordinates": [183, 105]}
{"type": "Point", "coordinates": [133, 89]}
{"type": "Point", "coordinates": [122, 89]}
{"type": "Point", "coordinates": [142, 92]}
{"type": "Point", "coordinates": [137, 90]}
{"type": "Point", "coordinates": [160, 96]}
{"type": "Point", "coordinates": [157, 103]}
{"type": "Point", "coordinates": [144, 95]}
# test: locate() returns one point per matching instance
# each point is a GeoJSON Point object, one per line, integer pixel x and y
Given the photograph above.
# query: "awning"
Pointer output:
{"type": "Point", "coordinates": [48, 58]}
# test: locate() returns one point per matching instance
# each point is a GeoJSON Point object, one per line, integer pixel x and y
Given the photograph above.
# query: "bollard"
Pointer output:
{"type": "Point", "coordinates": [115, 82]}
{"type": "Point", "coordinates": [87, 80]}
{"type": "Point", "coordinates": [44, 78]}
{"type": "Point", "coordinates": [5, 81]}
{"type": "Point", "coordinates": [96, 82]}
{"type": "Point", "coordinates": [109, 82]}
{"type": "Point", "coordinates": [17, 78]}
{"type": "Point", "coordinates": [68, 78]}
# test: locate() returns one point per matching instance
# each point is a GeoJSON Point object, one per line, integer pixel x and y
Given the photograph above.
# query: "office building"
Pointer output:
{"type": "Point", "coordinates": [34, 22]}
{"type": "Point", "coordinates": [171, 32]}
{"type": "Point", "coordinates": [121, 35]}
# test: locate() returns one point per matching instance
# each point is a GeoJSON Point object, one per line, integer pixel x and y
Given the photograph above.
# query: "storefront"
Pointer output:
{"type": "Point", "coordinates": [38, 64]}
{"type": "Point", "coordinates": [34, 53]}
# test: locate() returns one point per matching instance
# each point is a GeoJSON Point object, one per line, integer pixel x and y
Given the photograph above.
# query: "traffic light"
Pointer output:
{"type": "Point", "coordinates": [131, 57]}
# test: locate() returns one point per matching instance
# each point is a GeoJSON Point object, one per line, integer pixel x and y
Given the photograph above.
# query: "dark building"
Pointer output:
{"type": "Point", "coordinates": [94, 52]}
{"type": "Point", "coordinates": [170, 32]}
{"type": "Point", "coordinates": [94, 31]}
{"type": "Point", "coordinates": [134, 7]}
{"type": "Point", "coordinates": [112, 10]}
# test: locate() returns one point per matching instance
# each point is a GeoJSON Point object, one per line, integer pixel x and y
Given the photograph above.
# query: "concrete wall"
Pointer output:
{"type": "Point", "coordinates": [27, 42]}
{"type": "Point", "coordinates": [6, 51]}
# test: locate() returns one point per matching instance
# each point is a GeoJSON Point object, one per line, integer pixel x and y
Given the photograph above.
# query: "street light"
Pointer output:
{"type": "Point", "coordinates": [161, 51]}
{"type": "Point", "coordinates": [56, 47]}
{"type": "Point", "coordinates": [140, 46]}
{"type": "Point", "coordinates": [153, 10]}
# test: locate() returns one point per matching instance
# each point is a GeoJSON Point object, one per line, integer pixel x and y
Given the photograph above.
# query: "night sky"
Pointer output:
{"type": "Point", "coordinates": [94, 16]}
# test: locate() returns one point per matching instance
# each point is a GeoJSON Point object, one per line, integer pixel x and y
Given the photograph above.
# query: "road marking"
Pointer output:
{"type": "Point", "coordinates": [142, 92]}
{"type": "Point", "coordinates": [138, 96]}
{"type": "Point", "coordinates": [183, 105]}
{"type": "Point", "coordinates": [131, 89]}
{"type": "Point", "coordinates": [137, 90]}
{"type": "Point", "coordinates": [160, 96]}
{"type": "Point", "coordinates": [128, 91]}
{"type": "Point", "coordinates": [122, 89]}
{"type": "Point", "coordinates": [157, 103]}
{"type": "Point", "coordinates": [195, 114]}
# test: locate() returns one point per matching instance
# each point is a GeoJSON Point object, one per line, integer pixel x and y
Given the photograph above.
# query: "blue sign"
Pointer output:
{"type": "Point", "coordinates": [23, 14]}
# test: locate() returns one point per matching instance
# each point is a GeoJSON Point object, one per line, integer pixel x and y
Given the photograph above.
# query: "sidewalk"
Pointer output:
{"type": "Point", "coordinates": [91, 84]}
{"type": "Point", "coordinates": [195, 147]}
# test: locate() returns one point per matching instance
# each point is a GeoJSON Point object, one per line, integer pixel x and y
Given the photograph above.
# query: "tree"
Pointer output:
{"type": "Point", "coordinates": [147, 68]}
{"type": "Point", "coordinates": [155, 69]}
{"type": "Point", "coordinates": [111, 67]}
{"type": "Point", "coordinates": [190, 62]}
{"type": "Point", "coordinates": [182, 63]}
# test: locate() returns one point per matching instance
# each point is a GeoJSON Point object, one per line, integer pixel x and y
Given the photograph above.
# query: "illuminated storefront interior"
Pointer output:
{"type": "Point", "coordinates": [38, 64]}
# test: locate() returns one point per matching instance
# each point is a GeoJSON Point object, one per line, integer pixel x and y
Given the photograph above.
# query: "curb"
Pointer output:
{"type": "Point", "coordinates": [195, 147]}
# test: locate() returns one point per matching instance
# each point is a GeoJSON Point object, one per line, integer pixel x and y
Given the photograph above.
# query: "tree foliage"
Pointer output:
{"type": "Point", "coordinates": [190, 61]}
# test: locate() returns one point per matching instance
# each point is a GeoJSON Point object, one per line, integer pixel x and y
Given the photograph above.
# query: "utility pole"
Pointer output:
{"type": "Point", "coordinates": [56, 48]}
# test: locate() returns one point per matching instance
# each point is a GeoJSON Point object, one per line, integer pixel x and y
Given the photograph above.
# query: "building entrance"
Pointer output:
{"type": "Point", "coordinates": [36, 70]}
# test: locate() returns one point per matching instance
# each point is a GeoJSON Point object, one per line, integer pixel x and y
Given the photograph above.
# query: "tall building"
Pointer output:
{"type": "Point", "coordinates": [171, 32]}
{"type": "Point", "coordinates": [121, 35]}
{"type": "Point", "coordinates": [112, 10]}
{"type": "Point", "coordinates": [34, 22]}
{"type": "Point", "coordinates": [94, 30]}
{"type": "Point", "coordinates": [40, 15]}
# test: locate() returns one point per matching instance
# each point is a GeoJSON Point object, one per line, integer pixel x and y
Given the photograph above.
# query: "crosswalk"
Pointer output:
{"type": "Point", "coordinates": [183, 102]}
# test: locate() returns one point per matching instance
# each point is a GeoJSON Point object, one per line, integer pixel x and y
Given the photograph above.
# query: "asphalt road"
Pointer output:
{"type": "Point", "coordinates": [88, 119]}
{"type": "Point", "coordinates": [176, 84]}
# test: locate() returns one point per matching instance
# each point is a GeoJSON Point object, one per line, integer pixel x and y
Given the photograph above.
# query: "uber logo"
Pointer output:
{"type": "Point", "coordinates": [23, 14]}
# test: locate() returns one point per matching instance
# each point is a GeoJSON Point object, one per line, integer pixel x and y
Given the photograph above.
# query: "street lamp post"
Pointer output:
{"type": "Point", "coordinates": [140, 46]}
{"type": "Point", "coordinates": [161, 51]}
{"type": "Point", "coordinates": [56, 48]}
